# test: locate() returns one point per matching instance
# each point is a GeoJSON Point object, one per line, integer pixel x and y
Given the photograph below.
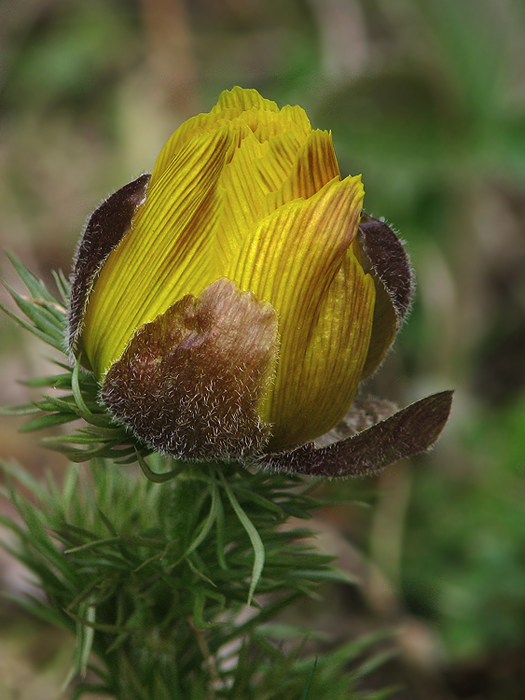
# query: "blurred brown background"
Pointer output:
{"type": "Point", "coordinates": [427, 99]}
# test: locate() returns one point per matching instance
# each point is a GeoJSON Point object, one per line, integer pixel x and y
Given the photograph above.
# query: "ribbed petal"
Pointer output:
{"type": "Point", "coordinates": [315, 166]}
{"type": "Point", "coordinates": [276, 165]}
{"type": "Point", "coordinates": [197, 127]}
{"type": "Point", "coordinates": [190, 129]}
{"type": "Point", "coordinates": [236, 108]}
{"type": "Point", "coordinates": [316, 385]}
{"type": "Point", "coordinates": [241, 99]}
{"type": "Point", "coordinates": [266, 125]}
{"type": "Point", "coordinates": [255, 170]}
{"type": "Point", "coordinates": [165, 256]}
{"type": "Point", "coordinates": [291, 260]}
{"type": "Point", "coordinates": [238, 100]}
{"type": "Point", "coordinates": [300, 247]}
{"type": "Point", "coordinates": [244, 196]}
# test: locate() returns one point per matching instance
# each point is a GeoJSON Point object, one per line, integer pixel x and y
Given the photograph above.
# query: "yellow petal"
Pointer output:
{"type": "Point", "coordinates": [167, 254]}
{"type": "Point", "coordinates": [297, 115]}
{"type": "Point", "coordinates": [293, 255]}
{"type": "Point", "coordinates": [275, 166]}
{"type": "Point", "coordinates": [266, 125]}
{"type": "Point", "coordinates": [244, 197]}
{"type": "Point", "coordinates": [255, 170]}
{"type": "Point", "coordinates": [238, 100]}
{"type": "Point", "coordinates": [196, 127]}
{"type": "Point", "coordinates": [317, 380]}
{"type": "Point", "coordinates": [292, 260]}
{"type": "Point", "coordinates": [192, 128]}
{"type": "Point", "coordinates": [261, 115]}
{"type": "Point", "coordinates": [315, 166]}
{"type": "Point", "coordinates": [241, 99]}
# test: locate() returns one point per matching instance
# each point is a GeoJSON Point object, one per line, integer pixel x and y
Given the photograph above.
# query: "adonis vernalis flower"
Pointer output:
{"type": "Point", "coordinates": [231, 303]}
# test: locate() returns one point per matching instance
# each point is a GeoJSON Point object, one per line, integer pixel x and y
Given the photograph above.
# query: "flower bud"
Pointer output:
{"type": "Point", "coordinates": [231, 304]}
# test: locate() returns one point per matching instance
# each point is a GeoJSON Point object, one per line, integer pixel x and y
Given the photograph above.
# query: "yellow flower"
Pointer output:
{"type": "Point", "coordinates": [228, 307]}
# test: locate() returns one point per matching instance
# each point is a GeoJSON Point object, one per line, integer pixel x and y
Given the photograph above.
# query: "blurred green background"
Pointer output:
{"type": "Point", "coordinates": [425, 98]}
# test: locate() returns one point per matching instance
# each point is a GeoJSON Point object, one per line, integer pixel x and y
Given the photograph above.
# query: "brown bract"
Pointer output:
{"type": "Point", "coordinates": [189, 382]}
{"type": "Point", "coordinates": [105, 229]}
{"type": "Point", "coordinates": [386, 260]}
{"type": "Point", "coordinates": [412, 430]}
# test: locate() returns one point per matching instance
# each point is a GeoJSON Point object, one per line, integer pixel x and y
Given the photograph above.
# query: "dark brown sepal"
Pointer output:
{"type": "Point", "coordinates": [412, 430]}
{"type": "Point", "coordinates": [389, 265]}
{"type": "Point", "coordinates": [190, 382]}
{"type": "Point", "coordinates": [105, 229]}
{"type": "Point", "coordinates": [390, 262]}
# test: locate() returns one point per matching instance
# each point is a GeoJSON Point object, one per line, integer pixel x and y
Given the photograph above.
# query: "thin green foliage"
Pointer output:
{"type": "Point", "coordinates": [131, 568]}
{"type": "Point", "coordinates": [258, 546]}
